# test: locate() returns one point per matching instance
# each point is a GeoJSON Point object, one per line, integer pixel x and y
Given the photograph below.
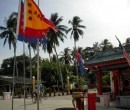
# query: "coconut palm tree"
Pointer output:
{"type": "Point", "coordinates": [9, 31]}
{"type": "Point", "coordinates": [53, 37]}
{"type": "Point", "coordinates": [105, 44]}
{"type": "Point", "coordinates": [65, 56]}
{"type": "Point", "coordinates": [9, 34]}
{"type": "Point", "coordinates": [76, 31]}
{"type": "Point", "coordinates": [29, 48]}
{"type": "Point", "coordinates": [48, 47]}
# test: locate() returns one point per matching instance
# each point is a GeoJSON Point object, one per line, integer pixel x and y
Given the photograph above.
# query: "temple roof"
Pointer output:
{"type": "Point", "coordinates": [109, 57]}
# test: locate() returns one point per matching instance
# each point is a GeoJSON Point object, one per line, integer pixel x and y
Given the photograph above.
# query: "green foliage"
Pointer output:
{"type": "Point", "coordinates": [48, 90]}
{"type": "Point", "coordinates": [7, 65]}
{"type": "Point", "coordinates": [106, 79]}
{"type": "Point", "coordinates": [81, 81]}
{"type": "Point", "coordinates": [18, 91]}
{"type": "Point", "coordinates": [105, 45]}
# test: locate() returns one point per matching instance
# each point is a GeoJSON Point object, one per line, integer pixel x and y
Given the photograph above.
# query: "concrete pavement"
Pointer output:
{"type": "Point", "coordinates": [52, 103]}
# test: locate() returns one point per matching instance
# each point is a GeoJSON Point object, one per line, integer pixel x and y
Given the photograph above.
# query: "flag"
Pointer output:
{"type": "Point", "coordinates": [20, 31]}
{"type": "Point", "coordinates": [32, 24]}
{"type": "Point", "coordinates": [36, 25]}
{"type": "Point", "coordinates": [126, 55]}
{"type": "Point", "coordinates": [80, 62]}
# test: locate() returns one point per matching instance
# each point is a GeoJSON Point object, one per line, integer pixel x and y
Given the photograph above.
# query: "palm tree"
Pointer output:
{"type": "Point", "coordinates": [29, 48]}
{"type": "Point", "coordinates": [9, 32]}
{"type": "Point", "coordinates": [105, 44]}
{"type": "Point", "coordinates": [53, 58]}
{"type": "Point", "coordinates": [66, 56]}
{"type": "Point", "coordinates": [53, 37]}
{"type": "Point", "coordinates": [48, 47]}
{"type": "Point", "coordinates": [76, 31]}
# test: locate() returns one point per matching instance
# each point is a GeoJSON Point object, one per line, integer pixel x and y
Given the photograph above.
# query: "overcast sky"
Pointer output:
{"type": "Point", "coordinates": [103, 20]}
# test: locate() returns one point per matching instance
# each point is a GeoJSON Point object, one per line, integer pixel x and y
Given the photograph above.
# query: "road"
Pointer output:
{"type": "Point", "coordinates": [52, 103]}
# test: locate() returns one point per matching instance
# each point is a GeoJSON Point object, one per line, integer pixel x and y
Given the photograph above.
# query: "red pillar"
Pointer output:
{"type": "Point", "coordinates": [99, 78]}
{"type": "Point", "coordinates": [91, 101]}
{"type": "Point", "coordinates": [115, 87]}
{"type": "Point", "coordinates": [115, 80]}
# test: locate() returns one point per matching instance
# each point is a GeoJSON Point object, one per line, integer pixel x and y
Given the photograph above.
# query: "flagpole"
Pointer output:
{"type": "Point", "coordinates": [13, 79]}
{"type": "Point", "coordinates": [38, 71]}
{"type": "Point", "coordinates": [37, 74]}
{"type": "Point", "coordinates": [24, 52]}
{"type": "Point", "coordinates": [24, 72]}
{"type": "Point", "coordinates": [15, 58]}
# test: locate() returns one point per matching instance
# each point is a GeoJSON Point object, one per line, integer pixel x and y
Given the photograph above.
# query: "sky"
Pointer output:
{"type": "Point", "coordinates": [103, 20]}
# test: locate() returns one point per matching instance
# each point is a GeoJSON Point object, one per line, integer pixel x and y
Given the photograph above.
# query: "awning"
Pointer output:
{"type": "Point", "coordinates": [17, 80]}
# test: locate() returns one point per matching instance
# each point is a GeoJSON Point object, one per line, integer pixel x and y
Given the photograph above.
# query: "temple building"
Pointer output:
{"type": "Point", "coordinates": [113, 61]}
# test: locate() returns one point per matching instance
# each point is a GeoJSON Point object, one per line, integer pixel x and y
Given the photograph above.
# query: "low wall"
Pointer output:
{"type": "Point", "coordinates": [123, 101]}
{"type": "Point", "coordinates": [104, 100]}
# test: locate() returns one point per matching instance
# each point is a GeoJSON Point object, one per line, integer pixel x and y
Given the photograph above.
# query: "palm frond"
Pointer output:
{"type": "Point", "coordinates": [68, 30]}
{"type": "Point", "coordinates": [80, 32]}
{"type": "Point", "coordinates": [2, 28]}
{"type": "Point", "coordinates": [58, 21]}
{"type": "Point", "coordinates": [71, 34]}
{"type": "Point", "coordinates": [5, 41]}
{"type": "Point", "coordinates": [81, 26]}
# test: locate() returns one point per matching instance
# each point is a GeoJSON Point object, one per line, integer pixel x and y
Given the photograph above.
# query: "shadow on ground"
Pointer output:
{"type": "Point", "coordinates": [65, 109]}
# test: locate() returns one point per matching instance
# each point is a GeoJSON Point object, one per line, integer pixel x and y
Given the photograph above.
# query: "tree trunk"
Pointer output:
{"type": "Point", "coordinates": [59, 68]}
{"type": "Point", "coordinates": [49, 57]}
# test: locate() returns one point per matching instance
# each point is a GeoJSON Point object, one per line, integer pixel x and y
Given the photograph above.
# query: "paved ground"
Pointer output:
{"type": "Point", "coordinates": [52, 103]}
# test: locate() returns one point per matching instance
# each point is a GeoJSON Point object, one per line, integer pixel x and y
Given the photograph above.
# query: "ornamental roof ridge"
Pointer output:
{"type": "Point", "coordinates": [110, 55]}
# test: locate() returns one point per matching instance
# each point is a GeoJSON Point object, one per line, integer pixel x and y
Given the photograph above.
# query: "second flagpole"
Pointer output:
{"type": "Point", "coordinates": [38, 71]}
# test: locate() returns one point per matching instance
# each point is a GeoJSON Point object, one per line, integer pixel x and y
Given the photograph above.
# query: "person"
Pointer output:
{"type": "Point", "coordinates": [77, 98]}
{"type": "Point", "coordinates": [35, 94]}
{"type": "Point", "coordinates": [41, 88]}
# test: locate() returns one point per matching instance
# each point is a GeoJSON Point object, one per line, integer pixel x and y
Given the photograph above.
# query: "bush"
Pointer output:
{"type": "Point", "coordinates": [18, 91]}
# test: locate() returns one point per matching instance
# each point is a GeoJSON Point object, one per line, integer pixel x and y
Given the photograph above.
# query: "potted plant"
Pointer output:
{"type": "Point", "coordinates": [54, 89]}
{"type": "Point", "coordinates": [26, 94]}
{"type": "Point", "coordinates": [19, 93]}
{"type": "Point", "coordinates": [63, 91]}
{"type": "Point", "coordinates": [49, 91]}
